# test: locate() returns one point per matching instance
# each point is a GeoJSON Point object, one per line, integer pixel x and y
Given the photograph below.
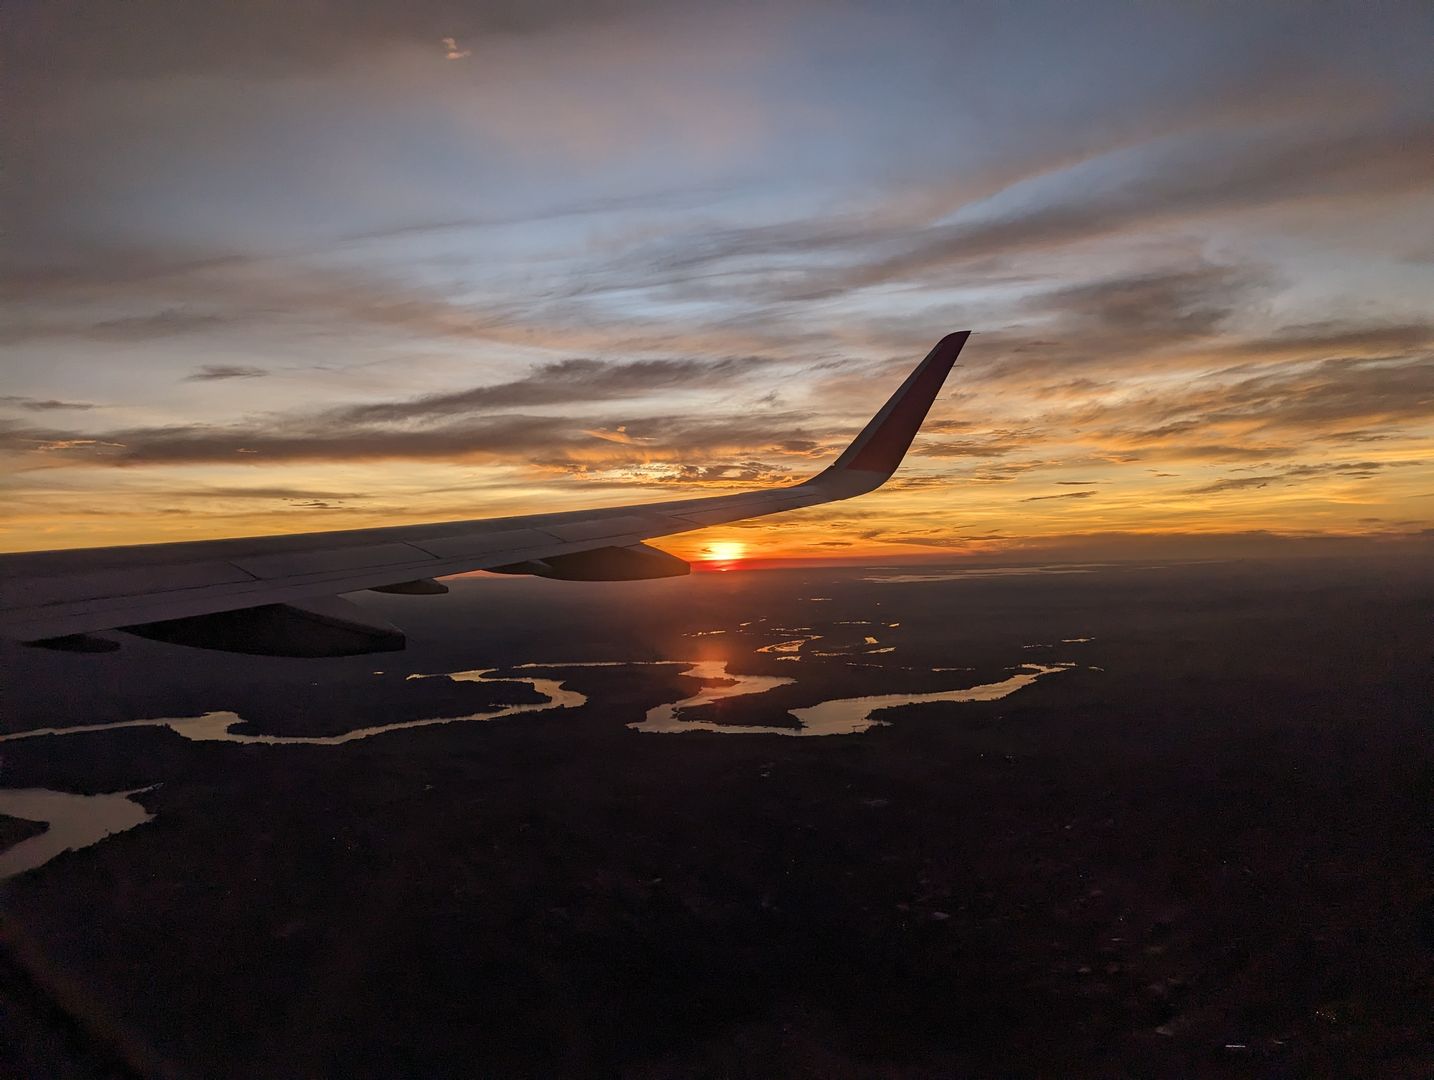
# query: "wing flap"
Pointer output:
{"type": "Point", "coordinates": [331, 626]}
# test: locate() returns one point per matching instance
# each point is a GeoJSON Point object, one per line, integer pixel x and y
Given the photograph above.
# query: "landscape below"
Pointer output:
{"type": "Point", "coordinates": [1186, 833]}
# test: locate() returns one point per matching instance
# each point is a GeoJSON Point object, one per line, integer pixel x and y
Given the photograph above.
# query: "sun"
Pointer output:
{"type": "Point", "coordinates": [724, 551]}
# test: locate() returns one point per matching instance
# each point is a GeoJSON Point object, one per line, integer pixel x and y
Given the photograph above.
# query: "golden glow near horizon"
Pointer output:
{"type": "Point", "coordinates": [724, 551]}
{"type": "Point", "coordinates": [612, 264]}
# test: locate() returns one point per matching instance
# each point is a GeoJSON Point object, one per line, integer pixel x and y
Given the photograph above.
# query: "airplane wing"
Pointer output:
{"type": "Point", "coordinates": [279, 595]}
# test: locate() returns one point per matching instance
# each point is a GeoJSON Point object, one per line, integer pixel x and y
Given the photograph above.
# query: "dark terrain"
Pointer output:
{"type": "Point", "coordinates": [13, 830]}
{"type": "Point", "coordinates": [1203, 851]}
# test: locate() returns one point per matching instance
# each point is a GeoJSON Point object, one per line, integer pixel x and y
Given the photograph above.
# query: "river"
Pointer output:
{"type": "Point", "coordinates": [75, 821]}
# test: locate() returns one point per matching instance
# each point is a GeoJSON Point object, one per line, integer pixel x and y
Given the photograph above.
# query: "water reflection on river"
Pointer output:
{"type": "Point", "coordinates": [842, 716]}
{"type": "Point", "coordinates": [75, 821]}
{"type": "Point", "coordinates": [852, 716]}
{"type": "Point", "coordinates": [217, 726]}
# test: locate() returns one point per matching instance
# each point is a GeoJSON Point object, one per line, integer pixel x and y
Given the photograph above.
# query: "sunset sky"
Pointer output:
{"type": "Point", "coordinates": [278, 267]}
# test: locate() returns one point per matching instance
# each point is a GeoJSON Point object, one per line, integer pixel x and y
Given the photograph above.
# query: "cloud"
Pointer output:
{"type": "Point", "coordinates": [1171, 185]}
{"type": "Point", "coordinates": [661, 446]}
{"type": "Point", "coordinates": [1292, 474]}
{"type": "Point", "coordinates": [954, 541]}
{"type": "Point", "coordinates": [43, 404]}
{"type": "Point", "coordinates": [217, 372]}
{"type": "Point", "coordinates": [1269, 410]}
{"type": "Point", "coordinates": [452, 51]}
{"type": "Point", "coordinates": [276, 492]}
{"type": "Point", "coordinates": [1334, 339]}
{"type": "Point", "coordinates": [1250, 398]}
{"type": "Point", "coordinates": [162, 324]}
{"type": "Point", "coordinates": [618, 435]}
{"type": "Point", "coordinates": [1236, 483]}
{"type": "Point", "coordinates": [311, 298]}
{"type": "Point", "coordinates": [660, 473]}
{"type": "Point", "coordinates": [1224, 176]}
{"type": "Point", "coordinates": [992, 444]}
{"type": "Point", "coordinates": [1156, 307]}
{"type": "Point", "coordinates": [1061, 495]}
{"type": "Point", "coordinates": [290, 442]}
{"type": "Point", "coordinates": [94, 446]}
{"type": "Point", "coordinates": [1333, 391]}
{"type": "Point", "coordinates": [567, 381]}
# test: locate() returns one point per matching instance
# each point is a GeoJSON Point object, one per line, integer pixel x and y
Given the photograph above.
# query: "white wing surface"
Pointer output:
{"type": "Point", "coordinates": [279, 595]}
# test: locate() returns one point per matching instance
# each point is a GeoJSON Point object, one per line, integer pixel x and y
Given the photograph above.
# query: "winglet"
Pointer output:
{"type": "Point", "coordinates": [884, 442]}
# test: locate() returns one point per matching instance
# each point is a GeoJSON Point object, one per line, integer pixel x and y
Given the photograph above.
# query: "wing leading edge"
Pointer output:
{"type": "Point", "coordinates": [277, 595]}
